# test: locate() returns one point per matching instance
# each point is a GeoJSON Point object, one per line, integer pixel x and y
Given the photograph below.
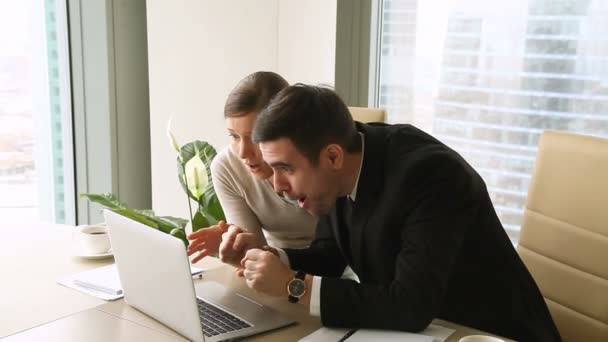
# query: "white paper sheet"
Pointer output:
{"type": "Point", "coordinates": [433, 333]}
{"type": "Point", "coordinates": [325, 334]}
{"type": "Point", "coordinates": [365, 335]}
{"type": "Point", "coordinates": [109, 274]}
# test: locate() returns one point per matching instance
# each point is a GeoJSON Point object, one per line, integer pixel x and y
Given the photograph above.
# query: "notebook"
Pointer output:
{"type": "Point", "coordinates": [365, 335]}
{"type": "Point", "coordinates": [104, 279]}
{"type": "Point", "coordinates": [103, 282]}
{"type": "Point", "coordinates": [433, 333]}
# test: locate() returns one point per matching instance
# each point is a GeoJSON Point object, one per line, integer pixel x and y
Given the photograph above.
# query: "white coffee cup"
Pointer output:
{"type": "Point", "coordinates": [480, 338]}
{"type": "Point", "coordinates": [94, 239]}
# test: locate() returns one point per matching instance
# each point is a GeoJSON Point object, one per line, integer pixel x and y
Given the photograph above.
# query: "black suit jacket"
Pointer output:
{"type": "Point", "coordinates": [425, 242]}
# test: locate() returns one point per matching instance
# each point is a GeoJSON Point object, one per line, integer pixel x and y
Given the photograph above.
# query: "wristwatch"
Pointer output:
{"type": "Point", "coordinates": [296, 287]}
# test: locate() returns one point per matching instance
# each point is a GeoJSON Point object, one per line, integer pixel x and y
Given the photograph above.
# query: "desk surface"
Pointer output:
{"type": "Point", "coordinates": [34, 257]}
{"type": "Point", "coordinates": [226, 275]}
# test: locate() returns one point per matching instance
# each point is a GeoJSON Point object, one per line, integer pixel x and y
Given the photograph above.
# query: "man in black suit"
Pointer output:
{"type": "Point", "coordinates": [405, 212]}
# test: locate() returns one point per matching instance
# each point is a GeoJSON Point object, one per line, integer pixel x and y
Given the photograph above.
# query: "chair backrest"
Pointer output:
{"type": "Point", "coordinates": [367, 114]}
{"type": "Point", "coordinates": [564, 236]}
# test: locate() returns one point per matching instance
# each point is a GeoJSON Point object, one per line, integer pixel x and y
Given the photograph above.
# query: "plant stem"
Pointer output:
{"type": "Point", "coordinates": [188, 196]}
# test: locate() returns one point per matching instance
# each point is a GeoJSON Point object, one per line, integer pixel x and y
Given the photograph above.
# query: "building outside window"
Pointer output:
{"type": "Point", "coordinates": [488, 77]}
{"type": "Point", "coordinates": [36, 154]}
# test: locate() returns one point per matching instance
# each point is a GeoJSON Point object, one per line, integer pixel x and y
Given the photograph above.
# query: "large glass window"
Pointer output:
{"type": "Point", "coordinates": [36, 156]}
{"type": "Point", "coordinates": [488, 76]}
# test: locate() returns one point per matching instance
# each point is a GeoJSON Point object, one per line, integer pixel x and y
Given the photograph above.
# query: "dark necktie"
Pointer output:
{"type": "Point", "coordinates": [346, 225]}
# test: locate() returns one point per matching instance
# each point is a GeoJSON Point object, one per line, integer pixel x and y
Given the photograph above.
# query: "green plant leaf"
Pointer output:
{"type": "Point", "coordinates": [199, 221]}
{"type": "Point", "coordinates": [180, 234]}
{"type": "Point", "coordinates": [107, 200]}
{"type": "Point", "coordinates": [201, 154]}
{"type": "Point", "coordinates": [160, 223]}
{"type": "Point", "coordinates": [137, 217]}
{"type": "Point", "coordinates": [214, 211]}
{"type": "Point", "coordinates": [146, 212]}
{"type": "Point", "coordinates": [165, 224]}
{"type": "Point", "coordinates": [177, 222]}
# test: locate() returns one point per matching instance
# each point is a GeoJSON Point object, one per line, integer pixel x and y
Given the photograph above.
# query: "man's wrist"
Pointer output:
{"type": "Point", "coordinates": [296, 287]}
{"type": "Point", "coordinates": [305, 299]}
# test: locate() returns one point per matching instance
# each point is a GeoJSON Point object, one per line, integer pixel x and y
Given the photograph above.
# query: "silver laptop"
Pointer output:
{"type": "Point", "coordinates": [155, 275]}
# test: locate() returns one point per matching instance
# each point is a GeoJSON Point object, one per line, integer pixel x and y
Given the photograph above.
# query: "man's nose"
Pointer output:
{"type": "Point", "coordinates": [280, 184]}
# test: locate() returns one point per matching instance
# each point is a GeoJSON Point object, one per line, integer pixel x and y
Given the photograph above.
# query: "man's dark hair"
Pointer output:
{"type": "Point", "coordinates": [311, 117]}
{"type": "Point", "coordinates": [253, 93]}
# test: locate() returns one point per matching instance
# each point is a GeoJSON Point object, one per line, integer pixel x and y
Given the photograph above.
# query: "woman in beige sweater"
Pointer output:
{"type": "Point", "coordinates": [243, 181]}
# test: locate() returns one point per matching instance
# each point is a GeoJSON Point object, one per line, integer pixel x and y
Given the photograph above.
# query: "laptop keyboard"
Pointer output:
{"type": "Point", "coordinates": [216, 321]}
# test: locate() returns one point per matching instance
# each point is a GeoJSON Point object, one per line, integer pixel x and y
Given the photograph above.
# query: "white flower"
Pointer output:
{"type": "Point", "coordinates": [171, 137]}
{"type": "Point", "coordinates": [196, 176]}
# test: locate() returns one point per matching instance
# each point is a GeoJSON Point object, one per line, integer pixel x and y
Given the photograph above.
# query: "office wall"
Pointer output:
{"type": "Point", "coordinates": [199, 49]}
{"type": "Point", "coordinates": [307, 40]}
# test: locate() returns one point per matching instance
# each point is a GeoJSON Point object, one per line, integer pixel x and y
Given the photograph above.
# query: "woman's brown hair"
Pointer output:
{"type": "Point", "coordinates": [253, 93]}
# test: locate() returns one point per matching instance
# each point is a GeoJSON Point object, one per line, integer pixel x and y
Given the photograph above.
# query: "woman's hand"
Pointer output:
{"type": "Point", "coordinates": [235, 243]}
{"type": "Point", "coordinates": [206, 241]}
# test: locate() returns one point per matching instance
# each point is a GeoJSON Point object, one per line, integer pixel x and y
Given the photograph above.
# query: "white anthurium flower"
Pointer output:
{"type": "Point", "coordinates": [196, 176]}
{"type": "Point", "coordinates": [171, 137]}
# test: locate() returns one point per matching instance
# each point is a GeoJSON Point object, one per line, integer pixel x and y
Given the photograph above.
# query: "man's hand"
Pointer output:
{"type": "Point", "coordinates": [235, 243]}
{"type": "Point", "coordinates": [265, 273]}
{"type": "Point", "coordinates": [206, 241]}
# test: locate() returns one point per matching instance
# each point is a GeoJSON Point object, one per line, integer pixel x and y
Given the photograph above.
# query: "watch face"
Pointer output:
{"type": "Point", "coordinates": [296, 287]}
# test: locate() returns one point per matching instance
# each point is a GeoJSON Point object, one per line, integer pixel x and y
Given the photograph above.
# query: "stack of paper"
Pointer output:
{"type": "Point", "coordinates": [102, 282]}
{"type": "Point", "coordinates": [433, 333]}
{"type": "Point", "coordinates": [104, 279]}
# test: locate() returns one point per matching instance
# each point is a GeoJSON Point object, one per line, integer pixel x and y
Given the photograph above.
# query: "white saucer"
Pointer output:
{"type": "Point", "coordinates": [86, 255]}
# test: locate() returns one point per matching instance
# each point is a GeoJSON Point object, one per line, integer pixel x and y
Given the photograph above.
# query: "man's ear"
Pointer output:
{"type": "Point", "coordinates": [334, 154]}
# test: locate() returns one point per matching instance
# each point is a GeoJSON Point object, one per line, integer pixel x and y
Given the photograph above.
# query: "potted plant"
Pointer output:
{"type": "Point", "coordinates": [194, 174]}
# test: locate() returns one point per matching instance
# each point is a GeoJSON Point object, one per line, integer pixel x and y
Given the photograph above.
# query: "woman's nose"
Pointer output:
{"type": "Point", "coordinates": [244, 149]}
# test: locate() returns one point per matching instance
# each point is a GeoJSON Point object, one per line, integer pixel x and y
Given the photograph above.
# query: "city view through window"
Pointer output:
{"type": "Point", "coordinates": [36, 182]}
{"type": "Point", "coordinates": [487, 77]}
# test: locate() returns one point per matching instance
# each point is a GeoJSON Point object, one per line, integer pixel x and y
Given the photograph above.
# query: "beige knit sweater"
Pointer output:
{"type": "Point", "coordinates": [253, 204]}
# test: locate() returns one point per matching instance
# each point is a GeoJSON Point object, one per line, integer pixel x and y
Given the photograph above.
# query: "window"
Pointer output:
{"type": "Point", "coordinates": [487, 77]}
{"type": "Point", "coordinates": [36, 168]}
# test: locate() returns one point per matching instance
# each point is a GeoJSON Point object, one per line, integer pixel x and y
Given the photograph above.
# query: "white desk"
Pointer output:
{"type": "Point", "coordinates": [31, 258]}
{"type": "Point", "coordinates": [36, 308]}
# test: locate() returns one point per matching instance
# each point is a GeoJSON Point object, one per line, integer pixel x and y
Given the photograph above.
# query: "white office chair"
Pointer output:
{"type": "Point", "coordinates": [564, 235]}
{"type": "Point", "coordinates": [368, 114]}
